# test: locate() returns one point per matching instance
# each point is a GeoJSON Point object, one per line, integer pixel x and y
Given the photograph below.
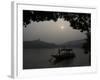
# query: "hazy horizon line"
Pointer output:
{"type": "Point", "coordinates": [52, 42]}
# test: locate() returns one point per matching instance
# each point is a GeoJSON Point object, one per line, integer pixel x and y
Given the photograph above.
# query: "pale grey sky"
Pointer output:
{"type": "Point", "coordinates": [53, 32]}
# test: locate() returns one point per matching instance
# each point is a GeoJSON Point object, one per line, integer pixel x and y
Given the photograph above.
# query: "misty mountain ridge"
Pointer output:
{"type": "Point", "coordinates": [38, 44]}
{"type": "Point", "coordinates": [74, 43]}
{"type": "Point", "coordinates": [42, 44]}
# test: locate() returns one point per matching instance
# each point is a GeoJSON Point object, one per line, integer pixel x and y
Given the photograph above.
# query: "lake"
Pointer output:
{"type": "Point", "coordinates": [41, 58]}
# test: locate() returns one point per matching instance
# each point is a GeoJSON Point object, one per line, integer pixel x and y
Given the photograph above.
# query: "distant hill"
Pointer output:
{"type": "Point", "coordinates": [75, 43]}
{"type": "Point", "coordinates": [42, 44]}
{"type": "Point", "coordinates": [38, 44]}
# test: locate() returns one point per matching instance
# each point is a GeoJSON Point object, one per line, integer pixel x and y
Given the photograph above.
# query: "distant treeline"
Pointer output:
{"type": "Point", "coordinates": [38, 44]}
{"type": "Point", "coordinates": [42, 44]}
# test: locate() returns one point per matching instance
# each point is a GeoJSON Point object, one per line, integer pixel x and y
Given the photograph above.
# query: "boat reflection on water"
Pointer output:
{"type": "Point", "coordinates": [63, 54]}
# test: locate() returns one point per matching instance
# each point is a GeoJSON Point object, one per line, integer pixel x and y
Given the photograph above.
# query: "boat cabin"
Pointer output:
{"type": "Point", "coordinates": [64, 51]}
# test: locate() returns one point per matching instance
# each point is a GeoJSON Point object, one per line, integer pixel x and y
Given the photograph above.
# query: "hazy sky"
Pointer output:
{"type": "Point", "coordinates": [53, 32]}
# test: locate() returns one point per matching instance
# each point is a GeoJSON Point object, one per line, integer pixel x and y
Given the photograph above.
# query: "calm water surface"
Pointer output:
{"type": "Point", "coordinates": [41, 58]}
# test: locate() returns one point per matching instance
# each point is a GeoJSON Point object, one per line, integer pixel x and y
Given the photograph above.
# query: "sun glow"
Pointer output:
{"type": "Point", "coordinates": [62, 27]}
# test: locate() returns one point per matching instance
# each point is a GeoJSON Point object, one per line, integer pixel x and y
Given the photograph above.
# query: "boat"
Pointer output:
{"type": "Point", "coordinates": [68, 56]}
{"type": "Point", "coordinates": [64, 54]}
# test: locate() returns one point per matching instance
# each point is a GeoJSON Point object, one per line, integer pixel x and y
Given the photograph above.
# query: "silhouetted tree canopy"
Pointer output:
{"type": "Point", "coordinates": [80, 21]}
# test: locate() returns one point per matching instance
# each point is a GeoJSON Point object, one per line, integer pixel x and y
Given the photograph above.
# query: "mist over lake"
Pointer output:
{"type": "Point", "coordinates": [52, 32]}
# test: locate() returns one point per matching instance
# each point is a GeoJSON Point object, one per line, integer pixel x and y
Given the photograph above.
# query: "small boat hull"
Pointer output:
{"type": "Point", "coordinates": [66, 56]}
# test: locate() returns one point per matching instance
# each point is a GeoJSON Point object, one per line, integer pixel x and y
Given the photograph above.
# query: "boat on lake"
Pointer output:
{"type": "Point", "coordinates": [64, 53]}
